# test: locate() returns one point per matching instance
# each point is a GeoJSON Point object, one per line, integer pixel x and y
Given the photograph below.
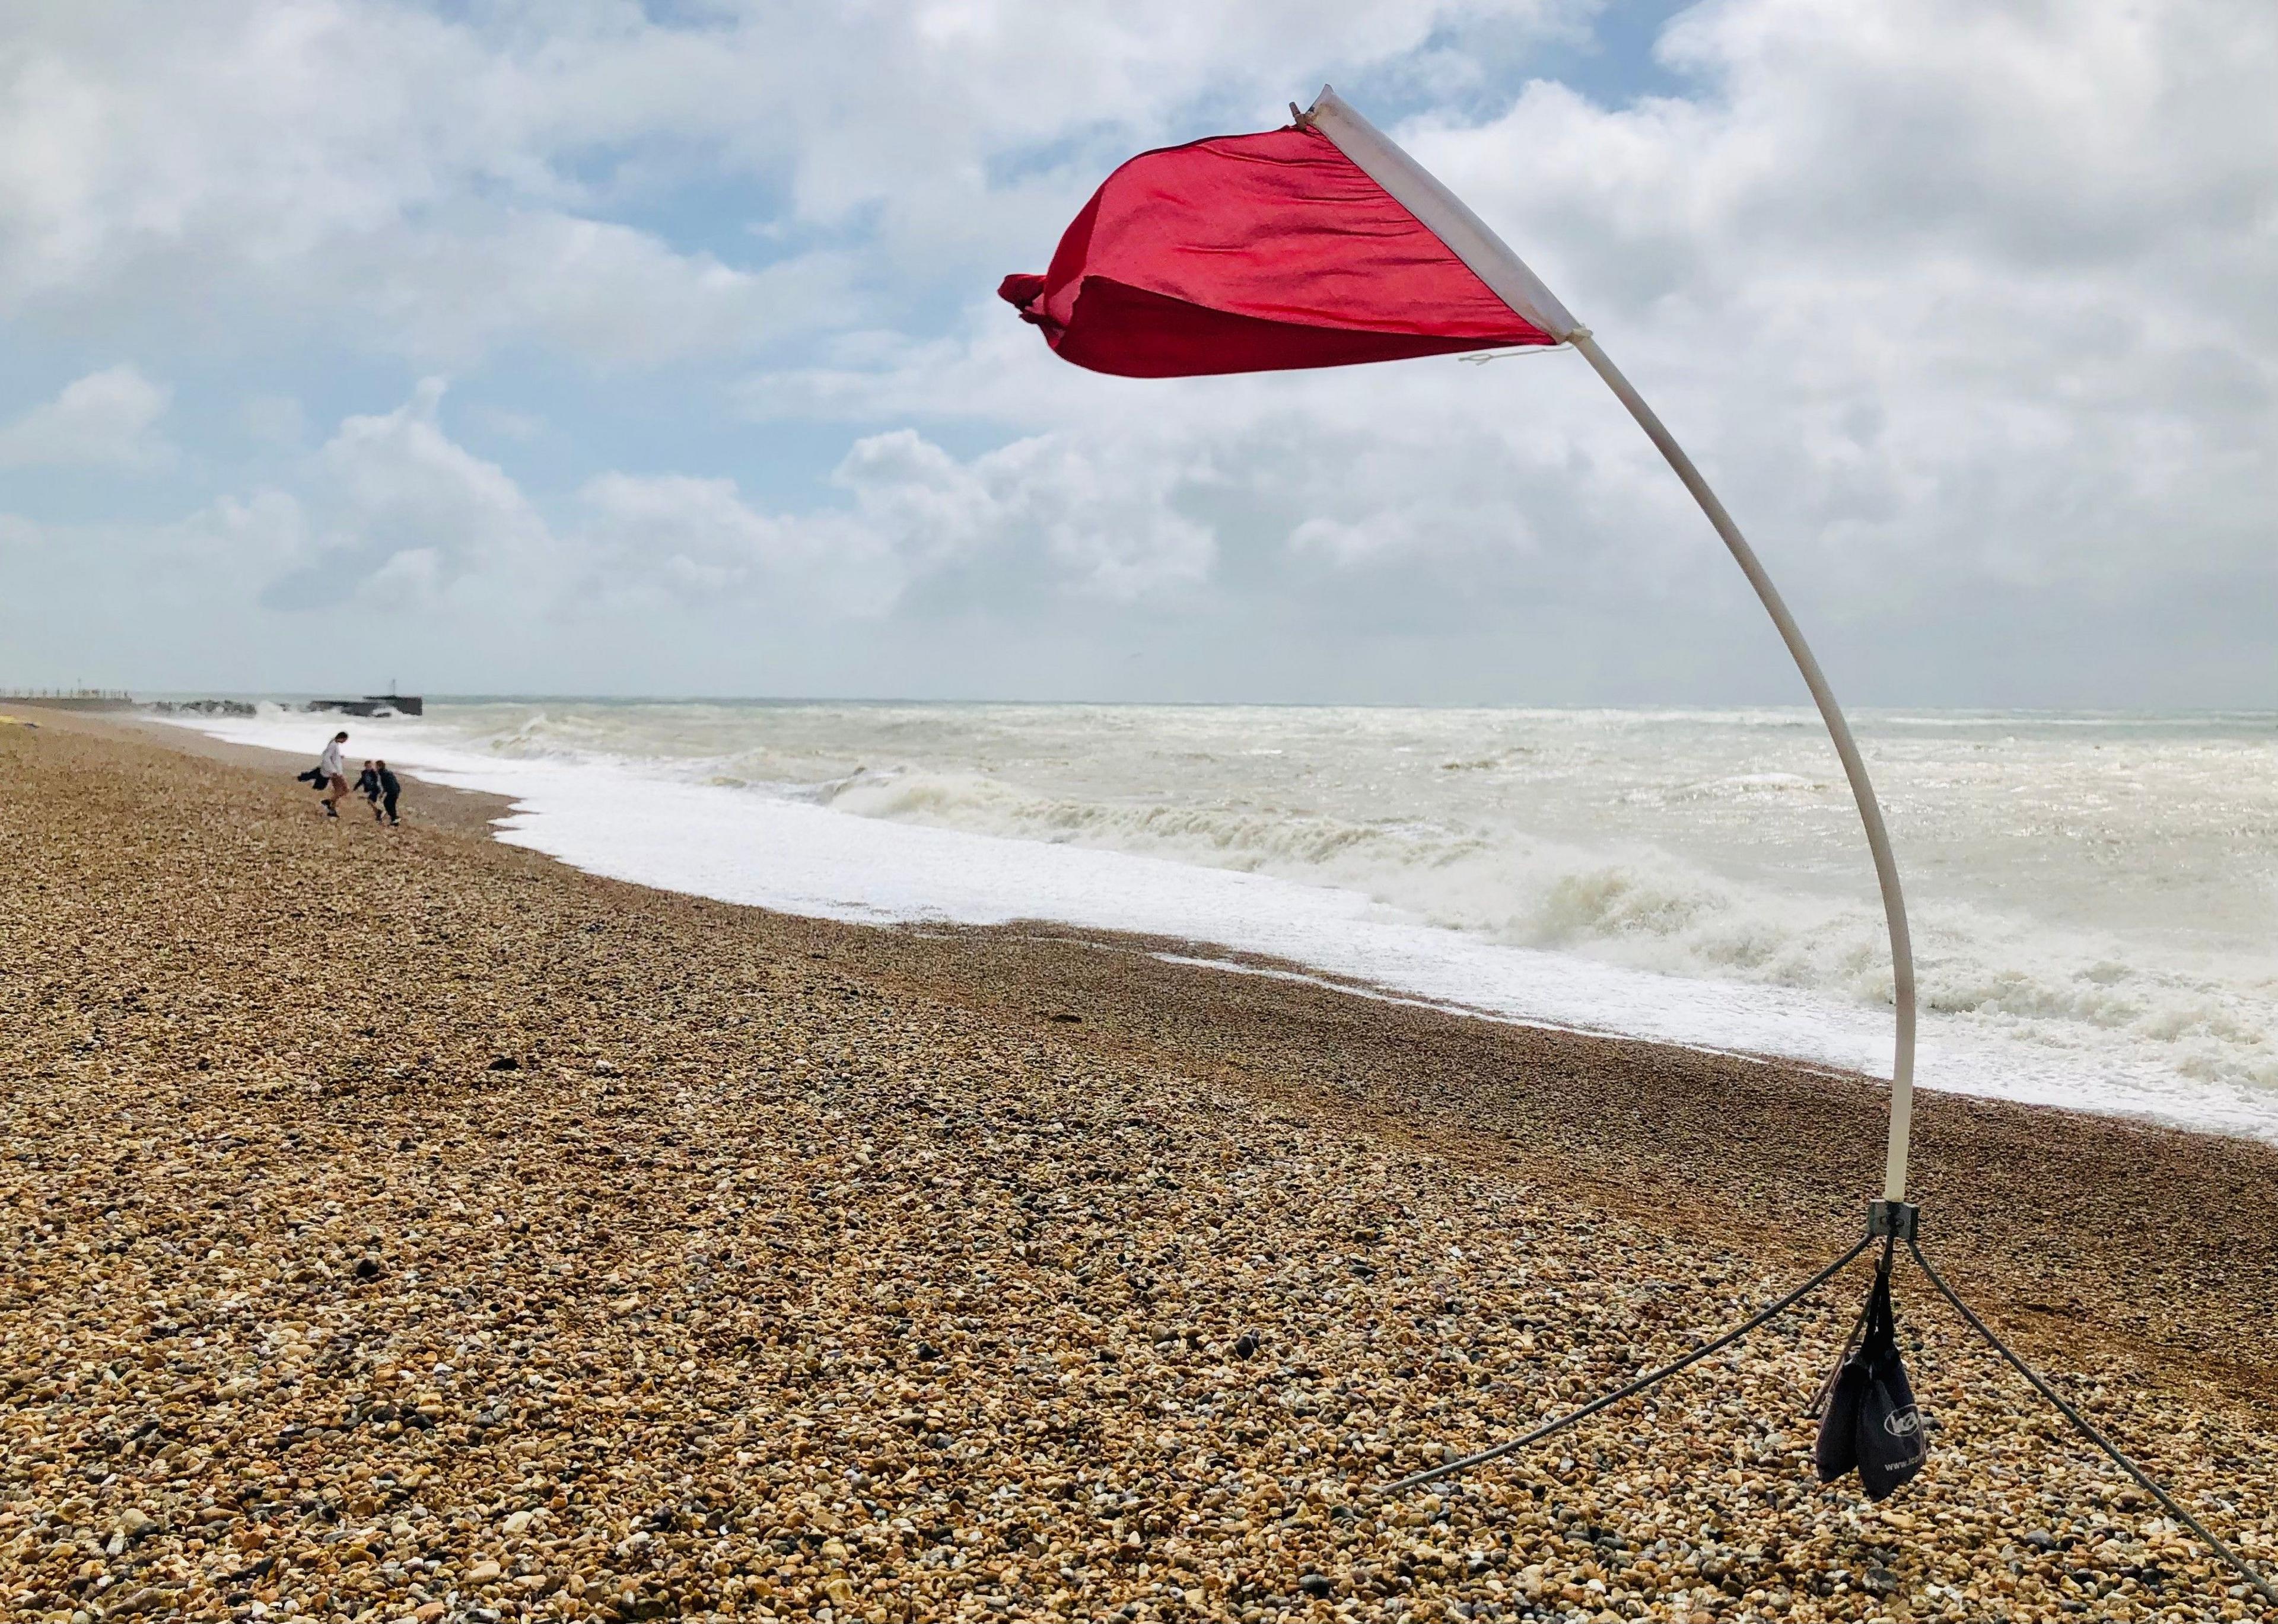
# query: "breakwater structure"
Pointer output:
{"type": "Point", "coordinates": [72, 698]}
{"type": "Point", "coordinates": [373, 705]}
{"type": "Point", "coordinates": [202, 707]}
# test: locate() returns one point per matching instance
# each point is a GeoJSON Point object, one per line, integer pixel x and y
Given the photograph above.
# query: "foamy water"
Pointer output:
{"type": "Point", "coordinates": [2095, 899]}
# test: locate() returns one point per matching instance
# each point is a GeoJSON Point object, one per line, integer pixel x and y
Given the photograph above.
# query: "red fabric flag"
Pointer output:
{"type": "Point", "coordinates": [1253, 254]}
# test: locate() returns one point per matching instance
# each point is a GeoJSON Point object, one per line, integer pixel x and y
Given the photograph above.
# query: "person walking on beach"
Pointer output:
{"type": "Point", "coordinates": [368, 785]}
{"type": "Point", "coordinates": [389, 788]}
{"type": "Point", "coordinates": [335, 771]}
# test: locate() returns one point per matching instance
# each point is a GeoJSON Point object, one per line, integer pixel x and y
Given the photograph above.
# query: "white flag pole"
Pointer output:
{"type": "Point", "coordinates": [1468, 237]}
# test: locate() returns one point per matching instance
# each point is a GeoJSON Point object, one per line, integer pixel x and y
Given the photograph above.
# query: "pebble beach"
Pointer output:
{"type": "Point", "coordinates": [402, 1225]}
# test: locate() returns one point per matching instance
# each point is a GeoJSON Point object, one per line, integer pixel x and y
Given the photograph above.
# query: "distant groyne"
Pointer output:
{"type": "Point", "coordinates": [71, 698]}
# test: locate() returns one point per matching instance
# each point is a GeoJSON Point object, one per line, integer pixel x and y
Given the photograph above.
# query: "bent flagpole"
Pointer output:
{"type": "Point", "coordinates": [1490, 258]}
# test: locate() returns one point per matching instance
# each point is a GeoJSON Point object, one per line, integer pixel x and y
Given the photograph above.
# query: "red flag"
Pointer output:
{"type": "Point", "coordinates": [1253, 254]}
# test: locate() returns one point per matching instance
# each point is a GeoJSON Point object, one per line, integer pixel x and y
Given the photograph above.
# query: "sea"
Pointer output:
{"type": "Point", "coordinates": [2094, 898]}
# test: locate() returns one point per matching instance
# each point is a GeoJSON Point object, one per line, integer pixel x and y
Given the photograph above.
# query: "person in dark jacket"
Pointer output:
{"type": "Point", "coordinates": [389, 788]}
{"type": "Point", "coordinates": [368, 787]}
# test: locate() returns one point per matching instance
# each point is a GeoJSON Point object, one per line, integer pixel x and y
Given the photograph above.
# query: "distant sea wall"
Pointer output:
{"type": "Point", "coordinates": [373, 705]}
{"type": "Point", "coordinates": [119, 699]}
{"type": "Point", "coordinates": [72, 698]}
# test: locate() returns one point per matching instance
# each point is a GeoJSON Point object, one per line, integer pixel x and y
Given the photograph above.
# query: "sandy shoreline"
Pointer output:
{"type": "Point", "coordinates": [977, 1218]}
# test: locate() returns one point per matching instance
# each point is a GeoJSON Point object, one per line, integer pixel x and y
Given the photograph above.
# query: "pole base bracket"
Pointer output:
{"type": "Point", "coordinates": [1899, 1220]}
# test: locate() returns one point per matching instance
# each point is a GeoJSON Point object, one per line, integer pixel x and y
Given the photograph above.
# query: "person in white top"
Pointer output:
{"type": "Point", "coordinates": [336, 777]}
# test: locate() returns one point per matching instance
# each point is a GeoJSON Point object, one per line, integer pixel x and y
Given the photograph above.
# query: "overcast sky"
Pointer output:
{"type": "Point", "coordinates": [582, 345]}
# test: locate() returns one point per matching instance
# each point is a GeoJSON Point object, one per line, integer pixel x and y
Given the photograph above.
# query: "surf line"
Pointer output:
{"type": "Point", "coordinates": [1362, 990]}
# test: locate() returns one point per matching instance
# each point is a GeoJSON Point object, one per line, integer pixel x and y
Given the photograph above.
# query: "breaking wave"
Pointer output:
{"type": "Point", "coordinates": [1645, 908]}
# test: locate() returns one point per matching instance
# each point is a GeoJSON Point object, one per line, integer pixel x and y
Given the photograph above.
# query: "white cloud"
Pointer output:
{"type": "Point", "coordinates": [300, 161]}
{"type": "Point", "coordinates": [107, 419]}
{"type": "Point", "coordinates": [391, 509]}
{"type": "Point", "coordinates": [395, 514]}
{"type": "Point", "coordinates": [1105, 526]}
{"type": "Point", "coordinates": [1965, 308]}
{"type": "Point", "coordinates": [1041, 508]}
{"type": "Point", "coordinates": [253, 538]}
{"type": "Point", "coordinates": [446, 182]}
{"type": "Point", "coordinates": [1961, 285]}
{"type": "Point", "coordinates": [673, 535]}
{"type": "Point", "coordinates": [1949, 299]}
{"type": "Point", "coordinates": [412, 578]}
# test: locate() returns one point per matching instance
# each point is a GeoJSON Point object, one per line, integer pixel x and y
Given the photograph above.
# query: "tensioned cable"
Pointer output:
{"type": "Point", "coordinates": [1479, 358]}
{"type": "Point", "coordinates": [2089, 1430]}
{"type": "Point", "coordinates": [1851, 1339]}
{"type": "Point", "coordinates": [1639, 1385]}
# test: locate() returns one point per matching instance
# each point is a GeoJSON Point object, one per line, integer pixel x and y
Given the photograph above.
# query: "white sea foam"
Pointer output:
{"type": "Point", "coordinates": [2092, 898]}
